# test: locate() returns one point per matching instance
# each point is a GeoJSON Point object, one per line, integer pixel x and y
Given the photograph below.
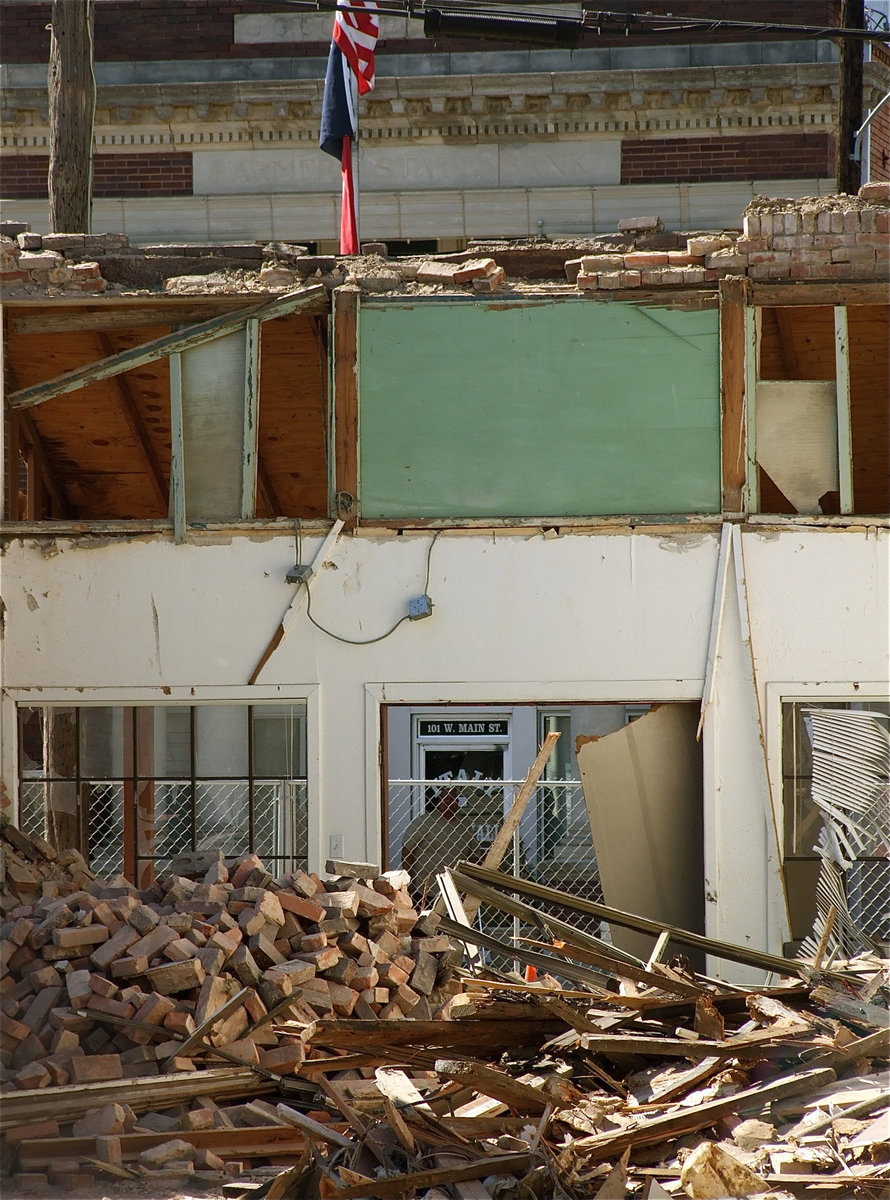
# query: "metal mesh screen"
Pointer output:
{"type": "Point", "coordinates": [552, 846]}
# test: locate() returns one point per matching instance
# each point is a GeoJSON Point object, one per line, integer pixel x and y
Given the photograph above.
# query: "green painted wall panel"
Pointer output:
{"type": "Point", "coordinates": [540, 409]}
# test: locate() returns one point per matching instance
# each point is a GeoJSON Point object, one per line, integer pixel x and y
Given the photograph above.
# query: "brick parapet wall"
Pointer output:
{"type": "Point", "coordinates": [835, 237]}
{"type": "Point", "coordinates": [842, 238]}
{"type": "Point", "coordinates": [24, 176]}
{"type": "Point", "coordinates": [715, 159]}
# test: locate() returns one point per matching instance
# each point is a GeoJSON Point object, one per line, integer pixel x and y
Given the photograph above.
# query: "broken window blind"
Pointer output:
{"type": "Point", "coordinates": [538, 409]}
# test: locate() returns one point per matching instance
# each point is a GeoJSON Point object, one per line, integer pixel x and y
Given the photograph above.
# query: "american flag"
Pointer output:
{"type": "Point", "coordinates": [352, 50]}
{"type": "Point", "coordinates": [355, 32]}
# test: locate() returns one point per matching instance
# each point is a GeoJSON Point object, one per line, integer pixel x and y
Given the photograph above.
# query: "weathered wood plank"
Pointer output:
{"type": "Point", "coordinates": [726, 950]}
{"type": "Point", "coordinates": [733, 298]}
{"type": "Point", "coordinates": [346, 401]}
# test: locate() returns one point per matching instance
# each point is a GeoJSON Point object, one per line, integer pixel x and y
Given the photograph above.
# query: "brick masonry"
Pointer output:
{"type": "Point", "coordinates": [24, 176]}
{"type": "Point", "coordinates": [716, 159]}
{"type": "Point", "coordinates": [155, 30]}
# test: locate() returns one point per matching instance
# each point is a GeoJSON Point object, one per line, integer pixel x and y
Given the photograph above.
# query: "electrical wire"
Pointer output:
{"type": "Point", "coordinates": [380, 637]}
{"type": "Point", "coordinates": [626, 23]}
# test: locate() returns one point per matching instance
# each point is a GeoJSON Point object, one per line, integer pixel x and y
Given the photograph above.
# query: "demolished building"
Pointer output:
{"type": "Point", "coordinates": [290, 540]}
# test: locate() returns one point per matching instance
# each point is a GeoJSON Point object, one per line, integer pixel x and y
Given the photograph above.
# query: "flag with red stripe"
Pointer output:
{"type": "Point", "coordinates": [355, 32]}
{"type": "Point", "coordinates": [352, 50]}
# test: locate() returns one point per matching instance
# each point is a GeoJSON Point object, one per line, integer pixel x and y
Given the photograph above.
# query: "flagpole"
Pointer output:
{"type": "Point", "coordinates": [353, 91]}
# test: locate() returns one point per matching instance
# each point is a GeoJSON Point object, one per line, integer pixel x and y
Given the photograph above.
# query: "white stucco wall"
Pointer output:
{"type": "Point", "coordinates": [624, 616]}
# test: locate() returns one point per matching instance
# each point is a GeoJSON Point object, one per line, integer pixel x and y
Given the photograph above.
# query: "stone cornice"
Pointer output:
{"type": "Point", "coordinates": [606, 104]}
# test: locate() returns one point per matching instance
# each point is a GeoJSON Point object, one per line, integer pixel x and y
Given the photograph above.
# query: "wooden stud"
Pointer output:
{"type": "Point", "coordinates": [844, 431]}
{"type": "Point", "coordinates": [177, 451]}
{"type": "Point", "coordinates": [733, 305]}
{"type": "Point", "coordinates": [346, 410]}
{"type": "Point", "coordinates": [170, 343]}
{"type": "Point", "coordinates": [752, 364]}
{"type": "Point", "coordinates": [251, 418]}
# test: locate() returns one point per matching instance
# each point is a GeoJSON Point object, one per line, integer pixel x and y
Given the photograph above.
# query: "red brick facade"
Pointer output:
{"type": "Point", "coordinates": [24, 176]}
{"type": "Point", "coordinates": [154, 30]}
{"type": "Point", "coordinates": [714, 159]}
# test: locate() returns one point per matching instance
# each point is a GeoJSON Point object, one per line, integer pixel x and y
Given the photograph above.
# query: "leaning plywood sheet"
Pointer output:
{"type": "Point", "coordinates": [643, 789]}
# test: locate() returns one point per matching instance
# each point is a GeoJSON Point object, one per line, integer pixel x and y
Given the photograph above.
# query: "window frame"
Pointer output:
{"type": "Point", "coordinates": [173, 697]}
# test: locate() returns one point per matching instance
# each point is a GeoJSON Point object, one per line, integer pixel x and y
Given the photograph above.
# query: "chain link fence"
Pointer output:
{"type": "Point", "coordinates": [552, 845]}
{"type": "Point", "coordinates": [152, 823]}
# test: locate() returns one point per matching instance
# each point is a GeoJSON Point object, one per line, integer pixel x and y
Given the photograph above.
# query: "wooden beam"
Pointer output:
{"type": "Point", "coordinates": [752, 373]}
{"type": "Point", "coordinates": [494, 855]}
{"type": "Point", "coordinates": [160, 312]}
{"type": "Point", "coordinates": [769, 295]}
{"type": "Point", "coordinates": [726, 950]}
{"type": "Point", "coordinates": [346, 308]}
{"type": "Point", "coordinates": [40, 460]}
{"type": "Point", "coordinates": [398, 1186]}
{"type": "Point", "coordinates": [267, 487]}
{"type": "Point", "coordinates": [689, 1120]}
{"type": "Point", "coordinates": [844, 430]}
{"type": "Point", "coordinates": [137, 356]}
{"type": "Point", "coordinates": [138, 428]}
{"type": "Point", "coordinates": [733, 301]}
{"type": "Point", "coordinates": [177, 451]}
{"type": "Point", "coordinates": [251, 417]}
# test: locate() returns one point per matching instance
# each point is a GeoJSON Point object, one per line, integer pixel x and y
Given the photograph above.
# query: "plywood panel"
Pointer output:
{"type": "Point", "coordinates": [89, 436]}
{"type": "Point", "coordinates": [474, 409]}
{"type": "Point", "coordinates": [643, 789]}
{"type": "Point", "coordinates": [292, 422]}
{"type": "Point", "coordinates": [797, 342]}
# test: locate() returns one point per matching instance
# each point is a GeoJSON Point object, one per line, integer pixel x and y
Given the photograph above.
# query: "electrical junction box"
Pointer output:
{"type": "Point", "coordinates": [420, 607]}
{"type": "Point", "coordinates": [298, 574]}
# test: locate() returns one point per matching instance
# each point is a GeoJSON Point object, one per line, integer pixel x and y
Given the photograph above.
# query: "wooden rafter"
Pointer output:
{"type": "Point", "coordinates": [42, 463]}
{"type": "Point", "coordinates": [26, 436]}
{"type": "Point", "coordinates": [267, 488]}
{"type": "Point", "coordinates": [133, 417]}
{"type": "Point", "coordinates": [171, 343]}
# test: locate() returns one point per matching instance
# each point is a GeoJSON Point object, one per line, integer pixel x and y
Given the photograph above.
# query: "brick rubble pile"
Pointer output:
{"type": "Point", "coordinates": [104, 982]}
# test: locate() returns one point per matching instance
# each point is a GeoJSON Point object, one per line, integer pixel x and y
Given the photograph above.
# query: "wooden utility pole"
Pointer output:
{"type": "Point", "coordinates": [849, 117]}
{"type": "Point", "coordinates": [72, 104]}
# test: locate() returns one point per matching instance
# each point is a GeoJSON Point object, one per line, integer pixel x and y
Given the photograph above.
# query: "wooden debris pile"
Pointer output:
{"type": "Point", "coordinates": [629, 1079]}
{"type": "Point", "coordinates": [133, 1015]}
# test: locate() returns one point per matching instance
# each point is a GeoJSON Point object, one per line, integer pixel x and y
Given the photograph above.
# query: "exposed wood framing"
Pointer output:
{"type": "Point", "coordinates": [771, 295]}
{"type": "Point", "coordinates": [196, 335]}
{"type": "Point", "coordinates": [124, 315]}
{"type": "Point", "coordinates": [267, 488]}
{"type": "Point", "coordinates": [786, 343]}
{"type": "Point", "coordinates": [177, 451]}
{"type": "Point", "coordinates": [26, 437]}
{"type": "Point", "coordinates": [346, 404]}
{"type": "Point", "coordinates": [251, 417]}
{"type": "Point", "coordinates": [752, 370]}
{"type": "Point", "coordinates": [844, 430]}
{"type": "Point", "coordinates": [733, 304]}
{"type": "Point", "coordinates": [137, 426]}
